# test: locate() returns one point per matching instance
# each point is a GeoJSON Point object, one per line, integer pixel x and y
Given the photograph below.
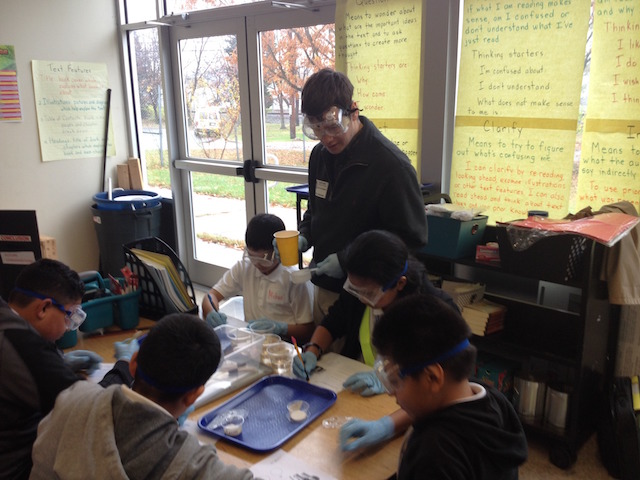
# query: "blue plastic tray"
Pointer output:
{"type": "Point", "coordinates": [268, 425]}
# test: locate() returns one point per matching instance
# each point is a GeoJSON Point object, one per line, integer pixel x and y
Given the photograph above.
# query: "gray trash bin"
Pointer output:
{"type": "Point", "coordinates": [115, 228]}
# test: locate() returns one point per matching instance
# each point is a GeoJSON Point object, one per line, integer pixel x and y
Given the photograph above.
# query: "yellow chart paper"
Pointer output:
{"type": "Point", "coordinates": [518, 100]}
{"type": "Point", "coordinates": [378, 47]}
{"type": "Point", "coordinates": [71, 101]}
{"type": "Point", "coordinates": [610, 157]}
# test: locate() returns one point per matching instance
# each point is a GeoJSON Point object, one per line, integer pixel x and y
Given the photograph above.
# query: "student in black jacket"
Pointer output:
{"type": "Point", "coordinates": [461, 429]}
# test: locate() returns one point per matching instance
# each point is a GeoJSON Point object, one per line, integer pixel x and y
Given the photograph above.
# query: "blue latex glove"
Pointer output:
{"type": "Point", "coordinates": [367, 383]}
{"type": "Point", "coordinates": [330, 266]}
{"type": "Point", "coordinates": [356, 433]}
{"type": "Point", "coordinates": [310, 362]}
{"type": "Point", "coordinates": [279, 328]}
{"type": "Point", "coordinates": [215, 319]}
{"type": "Point", "coordinates": [183, 418]}
{"type": "Point", "coordinates": [125, 349]}
{"type": "Point", "coordinates": [303, 244]}
{"type": "Point", "coordinates": [83, 360]}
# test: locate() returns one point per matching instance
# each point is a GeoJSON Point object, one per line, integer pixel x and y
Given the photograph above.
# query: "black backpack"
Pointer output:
{"type": "Point", "coordinates": [618, 431]}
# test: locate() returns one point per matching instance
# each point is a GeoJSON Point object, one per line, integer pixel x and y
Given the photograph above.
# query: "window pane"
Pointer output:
{"type": "Point", "coordinates": [150, 128]}
{"type": "Point", "coordinates": [219, 218]}
{"type": "Point", "coordinates": [289, 57]}
{"type": "Point", "coordinates": [179, 6]}
{"type": "Point", "coordinates": [140, 10]}
{"type": "Point", "coordinates": [212, 96]}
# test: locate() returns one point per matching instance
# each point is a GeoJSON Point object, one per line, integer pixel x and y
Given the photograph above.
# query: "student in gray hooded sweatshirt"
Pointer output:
{"type": "Point", "coordinates": [120, 433]}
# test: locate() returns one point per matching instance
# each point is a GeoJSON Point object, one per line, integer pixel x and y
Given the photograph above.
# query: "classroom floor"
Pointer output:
{"type": "Point", "coordinates": [588, 465]}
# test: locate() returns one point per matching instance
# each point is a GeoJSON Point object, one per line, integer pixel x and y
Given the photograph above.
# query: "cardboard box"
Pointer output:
{"type": "Point", "coordinates": [48, 247]}
{"type": "Point", "coordinates": [135, 173]}
{"type": "Point", "coordinates": [488, 253]}
{"type": "Point", "coordinates": [123, 176]}
{"type": "Point", "coordinates": [451, 238]}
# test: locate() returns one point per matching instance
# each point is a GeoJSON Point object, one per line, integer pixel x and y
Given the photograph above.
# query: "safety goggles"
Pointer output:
{"type": "Point", "coordinates": [333, 122]}
{"type": "Point", "coordinates": [73, 318]}
{"type": "Point", "coordinates": [371, 296]}
{"type": "Point", "coordinates": [391, 375]}
{"type": "Point", "coordinates": [265, 260]}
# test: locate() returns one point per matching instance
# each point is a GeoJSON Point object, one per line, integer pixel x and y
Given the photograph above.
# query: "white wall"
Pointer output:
{"type": "Point", "coordinates": [61, 191]}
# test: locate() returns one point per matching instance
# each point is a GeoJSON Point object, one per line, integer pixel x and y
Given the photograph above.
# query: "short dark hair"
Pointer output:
{"type": "Point", "coordinates": [260, 230]}
{"type": "Point", "coordinates": [381, 256]}
{"type": "Point", "coordinates": [48, 277]}
{"type": "Point", "coordinates": [179, 353]}
{"type": "Point", "coordinates": [324, 89]}
{"type": "Point", "coordinates": [418, 328]}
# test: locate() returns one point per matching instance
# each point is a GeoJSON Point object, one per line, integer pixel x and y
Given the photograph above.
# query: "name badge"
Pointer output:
{"type": "Point", "coordinates": [321, 188]}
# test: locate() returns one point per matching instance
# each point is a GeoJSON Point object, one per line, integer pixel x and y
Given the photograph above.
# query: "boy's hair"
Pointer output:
{"type": "Point", "coordinates": [323, 90]}
{"type": "Point", "coordinates": [381, 256]}
{"type": "Point", "coordinates": [260, 230]}
{"type": "Point", "coordinates": [50, 278]}
{"type": "Point", "coordinates": [178, 354]}
{"type": "Point", "coordinates": [418, 328]}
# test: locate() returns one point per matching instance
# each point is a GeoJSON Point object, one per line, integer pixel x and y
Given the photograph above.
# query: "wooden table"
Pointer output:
{"type": "Point", "coordinates": [315, 445]}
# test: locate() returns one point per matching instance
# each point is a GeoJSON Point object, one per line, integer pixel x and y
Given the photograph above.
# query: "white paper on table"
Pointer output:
{"type": "Point", "coordinates": [335, 370]}
{"type": "Point", "coordinates": [284, 466]}
{"type": "Point", "coordinates": [99, 374]}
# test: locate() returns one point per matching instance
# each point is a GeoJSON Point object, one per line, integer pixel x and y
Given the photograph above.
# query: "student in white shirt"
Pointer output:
{"type": "Point", "coordinates": [270, 297]}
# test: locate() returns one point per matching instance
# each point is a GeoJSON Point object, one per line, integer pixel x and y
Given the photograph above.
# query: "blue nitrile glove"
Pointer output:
{"type": "Point", "coordinates": [367, 383]}
{"type": "Point", "coordinates": [183, 418]}
{"type": "Point", "coordinates": [330, 266]}
{"type": "Point", "coordinates": [83, 360]}
{"type": "Point", "coordinates": [215, 319]}
{"type": "Point", "coordinates": [310, 362]}
{"type": "Point", "coordinates": [125, 349]}
{"type": "Point", "coordinates": [279, 328]}
{"type": "Point", "coordinates": [358, 433]}
{"type": "Point", "coordinates": [303, 244]}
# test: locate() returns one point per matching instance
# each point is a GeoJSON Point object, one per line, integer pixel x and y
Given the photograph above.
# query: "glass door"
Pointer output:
{"type": "Point", "coordinates": [236, 95]}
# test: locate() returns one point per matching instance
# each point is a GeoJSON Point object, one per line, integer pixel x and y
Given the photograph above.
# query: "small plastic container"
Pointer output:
{"type": "Point", "coordinates": [233, 425]}
{"type": "Point", "coordinates": [262, 327]}
{"type": "Point", "coordinates": [281, 357]}
{"type": "Point", "coordinates": [301, 276]}
{"type": "Point", "coordinates": [269, 339]}
{"type": "Point", "coordinates": [298, 410]}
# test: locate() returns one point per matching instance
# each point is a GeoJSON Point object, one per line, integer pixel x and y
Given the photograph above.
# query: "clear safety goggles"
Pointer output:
{"type": "Point", "coordinates": [391, 375]}
{"type": "Point", "coordinates": [265, 260]}
{"type": "Point", "coordinates": [333, 122]}
{"type": "Point", "coordinates": [73, 318]}
{"type": "Point", "coordinates": [371, 296]}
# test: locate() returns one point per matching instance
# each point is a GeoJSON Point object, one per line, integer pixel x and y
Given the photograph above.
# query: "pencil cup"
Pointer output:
{"type": "Point", "coordinates": [287, 241]}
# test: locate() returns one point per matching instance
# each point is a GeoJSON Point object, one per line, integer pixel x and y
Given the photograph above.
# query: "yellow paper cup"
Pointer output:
{"type": "Point", "coordinates": [287, 241]}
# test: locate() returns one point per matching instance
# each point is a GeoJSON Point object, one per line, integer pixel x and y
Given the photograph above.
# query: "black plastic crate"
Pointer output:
{"type": "Point", "coordinates": [561, 258]}
{"type": "Point", "coordinates": [153, 303]}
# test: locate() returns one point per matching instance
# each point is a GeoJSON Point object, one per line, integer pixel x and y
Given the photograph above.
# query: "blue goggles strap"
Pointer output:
{"type": "Point", "coordinates": [31, 293]}
{"type": "Point", "coordinates": [392, 283]}
{"type": "Point", "coordinates": [444, 356]}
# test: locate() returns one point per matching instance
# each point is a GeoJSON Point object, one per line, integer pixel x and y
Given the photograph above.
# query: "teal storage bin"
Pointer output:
{"type": "Point", "coordinates": [451, 238]}
{"type": "Point", "coordinates": [108, 308]}
{"type": "Point", "coordinates": [68, 340]}
{"type": "Point", "coordinates": [126, 310]}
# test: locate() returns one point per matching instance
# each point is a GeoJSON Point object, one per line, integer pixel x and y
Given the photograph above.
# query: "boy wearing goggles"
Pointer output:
{"type": "Point", "coordinates": [358, 181]}
{"type": "Point", "coordinates": [121, 432]}
{"type": "Point", "coordinates": [42, 306]}
{"type": "Point", "coordinates": [460, 429]}
{"type": "Point", "coordinates": [270, 297]}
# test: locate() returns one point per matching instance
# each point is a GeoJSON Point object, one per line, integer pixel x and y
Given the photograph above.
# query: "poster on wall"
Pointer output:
{"type": "Point", "coordinates": [521, 68]}
{"type": "Point", "coordinates": [610, 161]}
{"type": "Point", "coordinates": [71, 106]}
{"type": "Point", "coordinates": [10, 110]}
{"type": "Point", "coordinates": [378, 47]}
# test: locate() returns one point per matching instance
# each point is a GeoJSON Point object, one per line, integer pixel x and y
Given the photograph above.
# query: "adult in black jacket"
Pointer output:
{"type": "Point", "coordinates": [358, 181]}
